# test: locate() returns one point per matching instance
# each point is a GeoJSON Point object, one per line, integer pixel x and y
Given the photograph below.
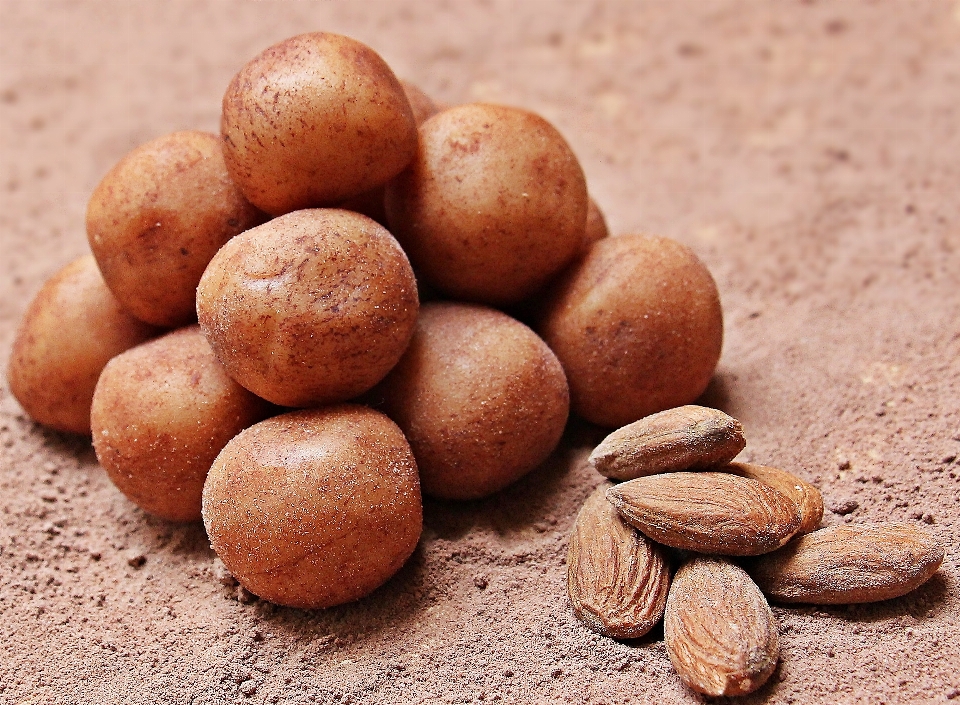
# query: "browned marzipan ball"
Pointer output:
{"type": "Point", "coordinates": [161, 413]}
{"type": "Point", "coordinates": [158, 217]}
{"type": "Point", "coordinates": [314, 307]}
{"type": "Point", "coordinates": [530, 309]}
{"type": "Point", "coordinates": [70, 331]}
{"type": "Point", "coordinates": [315, 508]}
{"type": "Point", "coordinates": [423, 106]}
{"type": "Point", "coordinates": [480, 397]}
{"type": "Point", "coordinates": [493, 205]}
{"type": "Point", "coordinates": [596, 227]}
{"type": "Point", "coordinates": [370, 203]}
{"type": "Point", "coordinates": [314, 120]}
{"type": "Point", "coordinates": [638, 327]}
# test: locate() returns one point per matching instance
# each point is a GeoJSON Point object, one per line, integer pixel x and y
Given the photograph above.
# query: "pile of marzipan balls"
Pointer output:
{"type": "Point", "coordinates": [357, 260]}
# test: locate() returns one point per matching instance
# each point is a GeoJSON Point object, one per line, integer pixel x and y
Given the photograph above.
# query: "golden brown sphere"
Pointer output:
{"type": "Point", "coordinates": [315, 508]}
{"type": "Point", "coordinates": [638, 327]}
{"type": "Point", "coordinates": [162, 411]}
{"type": "Point", "coordinates": [596, 227]}
{"type": "Point", "coordinates": [423, 106]}
{"type": "Point", "coordinates": [72, 328]}
{"type": "Point", "coordinates": [158, 217]}
{"type": "Point", "coordinates": [493, 205]}
{"type": "Point", "coordinates": [480, 397]}
{"type": "Point", "coordinates": [312, 308]}
{"type": "Point", "coordinates": [371, 203]}
{"type": "Point", "coordinates": [314, 120]}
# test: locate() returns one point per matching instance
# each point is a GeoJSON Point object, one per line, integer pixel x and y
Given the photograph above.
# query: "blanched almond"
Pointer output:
{"type": "Point", "coordinates": [708, 512]}
{"type": "Point", "coordinates": [617, 578]}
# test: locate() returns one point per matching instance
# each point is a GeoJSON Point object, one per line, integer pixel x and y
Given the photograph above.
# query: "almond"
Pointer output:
{"type": "Point", "coordinates": [720, 633]}
{"type": "Point", "coordinates": [686, 438]}
{"type": "Point", "coordinates": [708, 512]}
{"type": "Point", "coordinates": [850, 563]}
{"type": "Point", "coordinates": [617, 578]}
{"type": "Point", "coordinates": [807, 497]}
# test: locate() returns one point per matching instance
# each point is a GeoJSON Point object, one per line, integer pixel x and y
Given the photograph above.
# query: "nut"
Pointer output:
{"type": "Point", "coordinates": [807, 497]}
{"type": "Point", "coordinates": [708, 512]}
{"type": "Point", "coordinates": [617, 578]}
{"type": "Point", "coordinates": [720, 633]}
{"type": "Point", "coordinates": [685, 438]}
{"type": "Point", "coordinates": [849, 564]}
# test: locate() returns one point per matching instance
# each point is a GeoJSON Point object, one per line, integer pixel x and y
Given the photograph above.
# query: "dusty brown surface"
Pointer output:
{"type": "Point", "coordinates": [809, 152]}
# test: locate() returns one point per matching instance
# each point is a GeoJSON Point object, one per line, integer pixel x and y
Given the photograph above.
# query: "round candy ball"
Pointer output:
{"type": "Point", "coordinates": [480, 397]}
{"type": "Point", "coordinates": [71, 329]}
{"type": "Point", "coordinates": [493, 205]}
{"type": "Point", "coordinates": [158, 217]}
{"type": "Point", "coordinates": [315, 508]}
{"type": "Point", "coordinates": [314, 120]}
{"type": "Point", "coordinates": [638, 327]}
{"type": "Point", "coordinates": [423, 106]}
{"type": "Point", "coordinates": [312, 308]}
{"type": "Point", "coordinates": [596, 227]}
{"type": "Point", "coordinates": [370, 203]}
{"type": "Point", "coordinates": [162, 411]}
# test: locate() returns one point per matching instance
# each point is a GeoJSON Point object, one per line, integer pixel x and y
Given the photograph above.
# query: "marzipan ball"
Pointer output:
{"type": "Point", "coordinates": [314, 120]}
{"type": "Point", "coordinates": [158, 217]}
{"type": "Point", "coordinates": [480, 397]}
{"type": "Point", "coordinates": [638, 327]}
{"type": "Point", "coordinates": [312, 308]}
{"type": "Point", "coordinates": [529, 309]}
{"type": "Point", "coordinates": [315, 508]}
{"type": "Point", "coordinates": [596, 227]}
{"type": "Point", "coordinates": [161, 413]}
{"type": "Point", "coordinates": [423, 105]}
{"type": "Point", "coordinates": [70, 331]}
{"type": "Point", "coordinates": [493, 205]}
{"type": "Point", "coordinates": [370, 203]}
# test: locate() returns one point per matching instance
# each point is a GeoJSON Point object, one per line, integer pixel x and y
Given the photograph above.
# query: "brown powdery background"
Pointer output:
{"type": "Point", "coordinates": [808, 151]}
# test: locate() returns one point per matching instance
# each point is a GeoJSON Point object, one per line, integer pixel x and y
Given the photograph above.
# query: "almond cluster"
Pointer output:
{"type": "Point", "coordinates": [680, 490]}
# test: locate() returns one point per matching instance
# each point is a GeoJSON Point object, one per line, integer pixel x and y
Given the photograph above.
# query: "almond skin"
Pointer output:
{"type": "Point", "coordinates": [617, 579]}
{"type": "Point", "coordinates": [849, 564]}
{"type": "Point", "coordinates": [720, 633]}
{"type": "Point", "coordinates": [708, 512]}
{"type": "Point", "coordinates": [808, 499]}
{"type": "Point", "coordinates": [685, 438]}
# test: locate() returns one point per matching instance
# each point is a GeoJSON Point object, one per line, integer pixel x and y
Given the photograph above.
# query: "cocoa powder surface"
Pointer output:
{"type": "Point", "coordinates": [809, 152]}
